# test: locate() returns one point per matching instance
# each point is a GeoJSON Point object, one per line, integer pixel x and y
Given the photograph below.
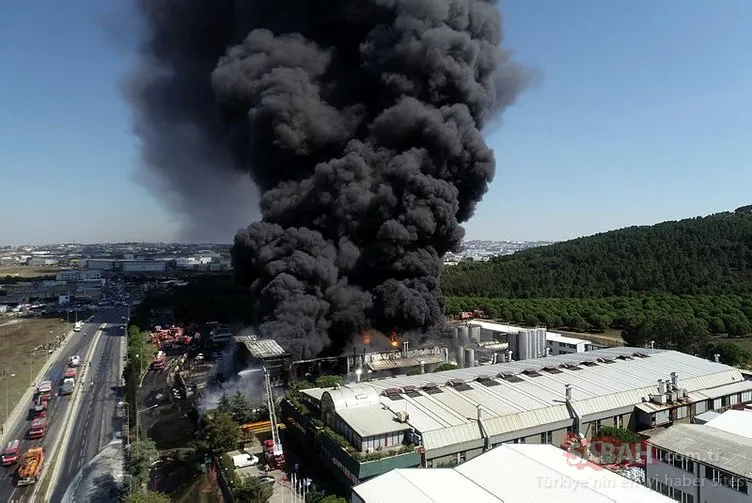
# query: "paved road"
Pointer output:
{"type": "Point", "coordinates": [95, 423]}
{"type": "Point", "coordinates": [58, 406]}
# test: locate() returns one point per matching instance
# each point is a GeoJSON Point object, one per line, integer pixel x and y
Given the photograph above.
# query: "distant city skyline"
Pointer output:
{"type": "Point", "coordinates": [622, 128]}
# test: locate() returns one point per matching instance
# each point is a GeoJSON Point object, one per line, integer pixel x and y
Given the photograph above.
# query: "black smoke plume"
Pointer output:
{"type": "Point", "coordinates": [359, 121]}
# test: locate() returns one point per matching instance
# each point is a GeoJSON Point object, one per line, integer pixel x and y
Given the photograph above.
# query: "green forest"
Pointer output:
{"type": "Point", "coordinates": [698, 256]}
{"type": "Point", "coordinates": [678, 284]}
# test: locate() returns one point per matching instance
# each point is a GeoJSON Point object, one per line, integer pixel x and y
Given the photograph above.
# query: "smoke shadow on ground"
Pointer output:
{"type": "Point", "coordinates": [106, 491]}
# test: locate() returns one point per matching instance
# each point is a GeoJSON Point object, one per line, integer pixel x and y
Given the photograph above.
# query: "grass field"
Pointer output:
{"type": "Point", "coordinates": [18, 338]}
{"type": "Point", "coordinates": [608, 337]}
{"type": "Point", "coordinates": [27, 272]}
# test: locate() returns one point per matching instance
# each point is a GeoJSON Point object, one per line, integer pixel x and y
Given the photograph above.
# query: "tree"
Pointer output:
{"type": "Point", "coordinates": [142, 454]}
{"type": "Point", "coordinates": [147, 497]}
{"type": "Point", "coordinates": [446, 366]}
{"type": "Point", "coordinates": [729, 353]}
{"type": "Point", "coordinates": [317, 496]}
{"type": "Point", "coordinates": [327, 381]}
{"type": "Point", "coordinates": [238, 407]}
{"type": "Point", "coordinates": [252, 490]}
{"type": "Point", "coordinates": [221, 432]}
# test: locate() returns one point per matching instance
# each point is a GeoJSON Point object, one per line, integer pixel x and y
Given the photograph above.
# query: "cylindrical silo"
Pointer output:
{"type": "Point", "coordinates": [460, 357]}
{"type": "Point", "coordinates": [464, 332]}
{"type": "Point", "coordinates": [474, 334]}
{"type": "Point", "coordinates": [469, 357]}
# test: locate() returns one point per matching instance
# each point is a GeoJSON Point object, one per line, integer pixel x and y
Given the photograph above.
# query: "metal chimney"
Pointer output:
{"type": "Point", "coordinates": [568, 391]}
{"type": "Point", "coordinates": [652, 344]}
{"type": "Point", "coordinates": [422, 367]}
{"type": "Point", "coordinates": [674, 380]}
{"type": "Point", "coordinates": [717, 358]}
{"type": "Point", "coordinates": [404, 349]}
{"type": "Point", "coordinates": [661, 387]}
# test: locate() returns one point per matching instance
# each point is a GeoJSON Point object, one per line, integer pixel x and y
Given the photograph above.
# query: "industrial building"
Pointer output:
{"type": "Point", "coordinates": [456, 415]}
{"type": "Point", "coordinates": [558, 344]}
{"type": "Point", "coordinates": [256, 352]}
{"type": "Point", "coordinates": [709, 462]}
{"type": "Point", "coordinates": [142, 266]}
{"type": "Point", "coordinates": [78, 275]}
{"type": "Point", "coordinates": [507, 474]}
{"type": "Point", "coordinates": [515, 342]}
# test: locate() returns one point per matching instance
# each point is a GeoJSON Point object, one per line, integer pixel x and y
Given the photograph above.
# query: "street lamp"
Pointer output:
{"type": "Point", "coordinates": [138, 417]}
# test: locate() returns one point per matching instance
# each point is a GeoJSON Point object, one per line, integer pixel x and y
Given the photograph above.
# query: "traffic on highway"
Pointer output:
{"type": "Point", "coordinates": [31, 455]}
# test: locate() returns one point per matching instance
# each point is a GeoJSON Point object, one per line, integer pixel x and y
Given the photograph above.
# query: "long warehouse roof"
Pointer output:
{"type": "Point", "coordinates": [443, 406]}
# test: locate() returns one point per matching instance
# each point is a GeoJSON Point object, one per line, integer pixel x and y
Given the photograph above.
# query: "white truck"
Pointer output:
{"type": "Point", "coordinates": [78, 326]}
{"type": "Point", "coordinates": [74, 361]}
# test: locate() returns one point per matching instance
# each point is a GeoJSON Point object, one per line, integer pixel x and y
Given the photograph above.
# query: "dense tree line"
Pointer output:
{"type": "Point", "coordinates": [720, 314]}
{"type": "Point", "coordinates": [698, 256]}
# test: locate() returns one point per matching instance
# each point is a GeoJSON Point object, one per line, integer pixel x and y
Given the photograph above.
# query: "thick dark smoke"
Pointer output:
{"type": "Point", "coordinates": [360, 123]}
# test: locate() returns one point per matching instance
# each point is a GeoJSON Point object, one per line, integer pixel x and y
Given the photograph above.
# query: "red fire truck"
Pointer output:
{"type": "Point", "coordinates": [38, 428]}
{"type": "Point", "coordinates": [10, 454]}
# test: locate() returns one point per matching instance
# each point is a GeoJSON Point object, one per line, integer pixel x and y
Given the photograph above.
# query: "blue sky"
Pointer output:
{"type": "Point", "coordinates": [642, 114]}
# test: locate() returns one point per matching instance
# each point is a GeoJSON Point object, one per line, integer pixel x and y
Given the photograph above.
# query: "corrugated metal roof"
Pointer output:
{"type": "Point", "coordinates": [597, 391]}
{"type": "Point", "coordinates": [558, 414]}
{"type": "Point", "coordinates": [403, 362]}
{"type": "Point", "coordinates": [720, 449]}
{"type": "Point", "coordinates": [436, 439]}
{"type": "Point", "coordinates": [422, 486]}
{"type": "Point", "coordinates": [372, 420]}
{"type": "Point", "coordinates": [698, 394]}
{"type": "Point", "coordinates": [262, 348]}
{"type": "Point", "coordinates": [738, 422]}
{"type": "Point", "coordinates": [508, 474]}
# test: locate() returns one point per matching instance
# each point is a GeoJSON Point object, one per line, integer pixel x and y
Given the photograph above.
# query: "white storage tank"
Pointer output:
{"type": "Point", "coordinates": [464, 333]}
{"type": "Point", "coordinates": [475, 334]}
{"type": "Point", "coordinates": [460, 357]}
{"type": "Point", "coordinates": [469, 357]}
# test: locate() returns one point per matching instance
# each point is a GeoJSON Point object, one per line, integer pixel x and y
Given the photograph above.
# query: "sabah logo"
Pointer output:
{"type": "Point", "coordinates": [603, 452]}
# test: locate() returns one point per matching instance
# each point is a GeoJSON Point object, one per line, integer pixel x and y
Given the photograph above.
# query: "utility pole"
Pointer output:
{"type": "Point", "coordinates": [7, 377]}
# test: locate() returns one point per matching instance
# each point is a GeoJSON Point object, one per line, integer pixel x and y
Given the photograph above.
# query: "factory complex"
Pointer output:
{"type": "Point", "coordinates": [446, 418]}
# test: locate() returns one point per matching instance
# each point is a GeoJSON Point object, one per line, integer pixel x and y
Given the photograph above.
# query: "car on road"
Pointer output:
{"type": "Point", "coordinates": [266, 479]}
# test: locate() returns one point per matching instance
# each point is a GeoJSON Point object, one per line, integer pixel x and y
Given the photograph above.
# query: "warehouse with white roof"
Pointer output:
{"type": "Point", "coordinates": [709, 462]}
{"type": "Point", "coordinates": [455, 415]}
{"type": "Point", "coordinates": [507, 474]}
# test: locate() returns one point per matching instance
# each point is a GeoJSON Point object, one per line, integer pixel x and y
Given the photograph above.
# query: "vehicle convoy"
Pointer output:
{"type": "Point", "coordinates": [74, 361]}
{"type": "Point", "coordinates": [31, 466]}
{"type": "Point", "coordinates": [10, 454]}
{"type": "Point", "coordinates": [38, 428]}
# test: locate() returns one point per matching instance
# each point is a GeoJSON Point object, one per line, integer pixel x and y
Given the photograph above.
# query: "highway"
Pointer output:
{"type": "Point", "coordinates": [79, 344]}
{"type": "Point", "coordinates": [95, 423]}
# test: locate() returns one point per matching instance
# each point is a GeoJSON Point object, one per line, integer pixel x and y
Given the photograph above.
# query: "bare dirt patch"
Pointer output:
{"type": "Point", "coordinates": [608, 337]}
{"type": "Point", "coordinates": [27, 272]}
{"type": "Point", "coordinates": [23, 353]}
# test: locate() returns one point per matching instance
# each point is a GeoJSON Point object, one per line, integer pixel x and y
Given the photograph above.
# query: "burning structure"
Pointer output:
{"type": "Point", "coordinates": [357, 122]}
{"type": "Point", "coordinates": [266, 353]}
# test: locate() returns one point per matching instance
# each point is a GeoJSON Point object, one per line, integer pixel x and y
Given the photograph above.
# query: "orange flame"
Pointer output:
{"type": "Point", "coordinates": [366, 337]}
{"type": "Point", "coordinates": [394, 340]}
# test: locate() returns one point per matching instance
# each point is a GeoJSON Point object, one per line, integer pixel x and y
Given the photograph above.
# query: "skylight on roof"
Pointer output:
{"type": "Point", "coordinates": [553, 370]}
{"type": "Point", "coordinates": [589, 364]}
